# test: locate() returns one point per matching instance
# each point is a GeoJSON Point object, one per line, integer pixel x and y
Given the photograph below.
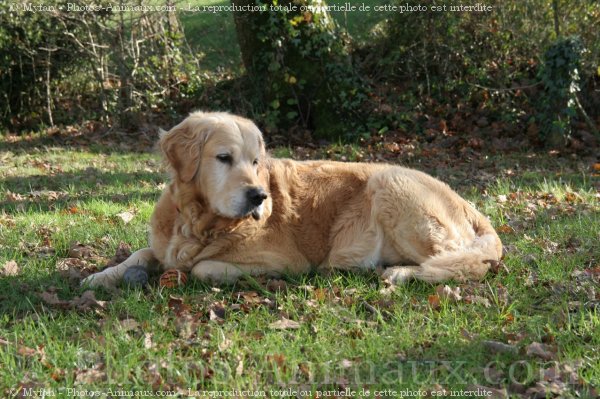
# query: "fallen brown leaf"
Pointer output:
{"type": "Point", "coordinates": [90, 376]}
{"type": "Point", "coordinates": [506, 229]}
{"type": "Point", "coordinates": [305, 371]}
{"type": "Point", "coordinates": [542, 351]}
{"type": "Point", "coordinates": [122, 252]}
{"type": "Point", "coordinates": [478, 300]}
{"type": "Point", "coordinates": [449, 293]}
{"type": "Point", "coordinates": [153, 376]}
{"type": "Point", "coordinates": [126, 216]}
{"type": "Point", "coordinates": [85, 302]}
{"type": "Point", "coordinates": [284, 324]}
{"type": "Point", "coordinates": [277, 285]}
{"type": "Point", "coordinates": [186, 326]}
{"type": "Point", "coordinates": [10, 268]}
{"type": "Point", "coordinates": [277, 359]}
{"type": "Point", "coordinates": [239, 370]}
{"type": "Point", "coordinates": [225, 344]}
{"type": "Point", "coordinates": [21, 349]}
{"type": "Point", "coordinates": [128, 324]}
{"type": "Point", "coordinates": [148, 344]}
{"type": "Point", "coordinates": [79, 250]}
{"type": "Point", "coordinates": [74, 269]}
{"type": "Point", "coordinates": [200, 371]}
{"type": "Point", "coordinates": [176, 305]}
{"type": "Point", "coordinates": [217, 312]}
{"type": "Point", "coordinates": [434, 301]}
{"type": "Point", "coordinates": [502, 294]}
{"type": "Point", "coordinates": [499, 347]}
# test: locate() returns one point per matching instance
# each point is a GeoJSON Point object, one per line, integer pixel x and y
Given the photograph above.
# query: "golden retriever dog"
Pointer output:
{"type": "Point", "coordinates": [231, 210]}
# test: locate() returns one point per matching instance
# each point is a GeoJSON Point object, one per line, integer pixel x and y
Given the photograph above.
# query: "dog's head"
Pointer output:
{"type": "Point", "coordinates": [223, 156]}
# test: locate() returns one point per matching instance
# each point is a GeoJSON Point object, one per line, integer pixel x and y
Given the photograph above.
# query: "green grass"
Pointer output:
{"type": "Point", "coordinates": [341, 341]}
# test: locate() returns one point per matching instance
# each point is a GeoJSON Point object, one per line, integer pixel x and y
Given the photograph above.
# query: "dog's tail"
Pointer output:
{"type": "Point", "coordinates": [469, 263]}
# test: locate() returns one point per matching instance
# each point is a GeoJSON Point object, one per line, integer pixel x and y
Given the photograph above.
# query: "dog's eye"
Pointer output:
{"type": "Point", "coordinates": [255, 163]}
{"type": "Point", "coordinates": [225, 158]}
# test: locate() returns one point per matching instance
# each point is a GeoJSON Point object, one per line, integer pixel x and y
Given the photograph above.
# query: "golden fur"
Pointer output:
{"type": "Point", "coordinates": [316, 214]}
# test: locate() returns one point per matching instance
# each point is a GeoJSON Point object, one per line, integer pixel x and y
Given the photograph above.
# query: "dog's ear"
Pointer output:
{"type": "Point", "coordinates": [182, 147]}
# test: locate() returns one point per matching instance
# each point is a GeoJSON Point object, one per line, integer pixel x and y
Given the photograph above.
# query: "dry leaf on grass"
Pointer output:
{"type": "Point", "coordinates": [542, 351]}
{"type": "Point", "coordinates": [186, 326]}
{"type": "Point", "coordinates": [21, 349]}
{"type": "Point", "coordinates": [451, 294]}
{"type": "Point", "coordinates": [305, 371]}
{"type": "Point", "coordinates": [277, 360]}
{"type": "Point", "coordinates": [200, 371]}
{"type": "Point", "coordinates": [276, 285]}
{"type": "Point", "coordinates": [79, 250]}
{"type": "Point", "coordinates": [122, 252]}
{"type": "Point", "coordinates": [434, 301]}
{"type": "Point", "coordinates": [502, 294]}
{"type": "Point", "coordinates": [86, 301]}
{"type": "Point", "coordinates": [284, 324]}
{"type": "Point", "coordinates": [148, 344]}
{"type": "Point", "coordinates": [128, 324]}
{"type": "Point", "coordinates": [239, 370]}
{"type": "Point", "coordinates": [225, 344]}
{"type": "Point", "coordinates": [176, 305]}
{"type": "Point", "coordinates": [126, 216]}
{"type": "Point", "coordinates": [90, 376]}
{"type": "Point", "coordinates": [217, 312]}
{"type": "Point", "coordinates": [478, 300]}
{"type": "Point", "coordinates": [74, 269]}
{"type": "Point", "coordinates": [468, 335]}
{"type": "Point", "coordinates": [10, 268]}
{"type": "Point", "coordinates": [506, 229]}
{"type": "Point", "coordinates": [499, 347]}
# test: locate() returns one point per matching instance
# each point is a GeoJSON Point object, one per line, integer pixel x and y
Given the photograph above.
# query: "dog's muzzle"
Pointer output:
{"type": "Point", "coordinates": [255, 196]}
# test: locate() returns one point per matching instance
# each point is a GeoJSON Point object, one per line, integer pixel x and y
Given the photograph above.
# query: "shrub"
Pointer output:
{"type": "Point", "coordinates": [300, 67]}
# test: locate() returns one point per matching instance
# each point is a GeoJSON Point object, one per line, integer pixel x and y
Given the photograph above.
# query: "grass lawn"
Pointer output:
{"type": "Point", "coordinates": [345, 330]}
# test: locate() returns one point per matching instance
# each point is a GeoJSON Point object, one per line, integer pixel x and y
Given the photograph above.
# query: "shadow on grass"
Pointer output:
{"type": "Point", "coordinates": [95, 143]}
{"type": "Point", "coordinates": [33, 189]}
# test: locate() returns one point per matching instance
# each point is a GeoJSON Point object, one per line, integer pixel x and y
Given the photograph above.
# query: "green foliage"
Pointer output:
{"type": "Point", "coordinates": [303, 71]}
{"type": "Point", "coordinates": [561, 79]}
{"type": "Point", "coordinates": [32, 45]}
{"type": "Point", "coordinates": [495, 60]}
{"type": "Point", "coordinates": [160, 74]}
{"type": "Point", "coordinates": [111, 65]}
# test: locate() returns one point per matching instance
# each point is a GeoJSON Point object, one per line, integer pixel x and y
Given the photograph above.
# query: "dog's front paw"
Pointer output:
{"type": "Point", "coordinates": [96, 280]}
{"type": "Point", "coordinates": [216, 272]}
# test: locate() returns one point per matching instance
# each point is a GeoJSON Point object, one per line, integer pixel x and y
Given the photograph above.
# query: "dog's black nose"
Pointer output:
{"type": "Point", "coordinates": [256, 196]}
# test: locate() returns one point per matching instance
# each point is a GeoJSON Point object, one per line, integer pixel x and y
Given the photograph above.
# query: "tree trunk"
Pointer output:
{"type": "Point", "coordinates": [297, 62]}
{"type": "Point", "coordinates": [250, 44]}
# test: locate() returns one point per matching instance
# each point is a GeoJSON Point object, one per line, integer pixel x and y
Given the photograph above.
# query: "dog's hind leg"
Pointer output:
{"type": "Point", "coordinates": [432, 229]}
{"type": "Point", "coordinates": [110, 277]}
{"type": "Point", "coordinates": [470, 263]}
